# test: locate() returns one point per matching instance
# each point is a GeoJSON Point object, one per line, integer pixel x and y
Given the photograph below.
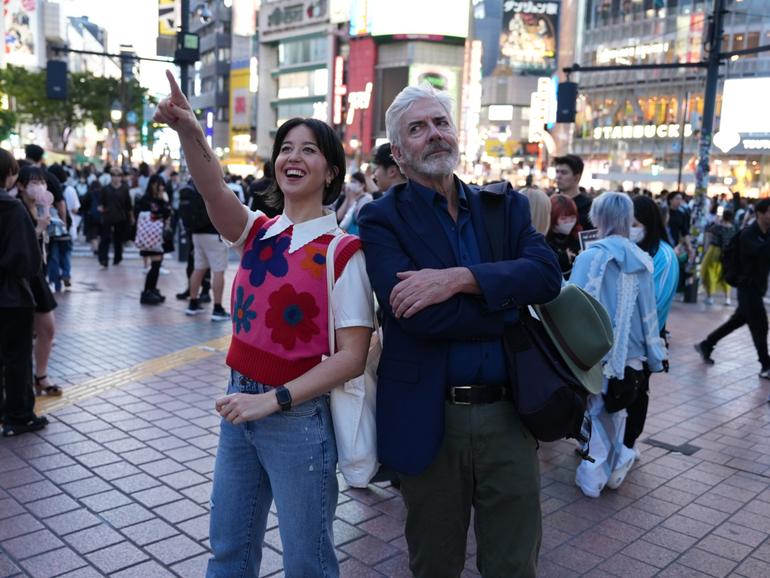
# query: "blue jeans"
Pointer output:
{"type": "Point", "coordinates": [59, 262]}
{"type": "Point", "coordinates": [289, 456]}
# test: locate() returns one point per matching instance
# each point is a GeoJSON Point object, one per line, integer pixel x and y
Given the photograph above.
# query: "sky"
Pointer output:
{"type": "Point", "coordinates": [132, 22]}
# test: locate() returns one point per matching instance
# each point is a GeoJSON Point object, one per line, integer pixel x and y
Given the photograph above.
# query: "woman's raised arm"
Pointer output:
{"type": "Point", "coordinates": [225, 210]}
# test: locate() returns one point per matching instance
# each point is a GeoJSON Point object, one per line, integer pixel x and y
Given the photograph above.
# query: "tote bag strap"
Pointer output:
{"type": "Point", "coordinates": [330, 251]}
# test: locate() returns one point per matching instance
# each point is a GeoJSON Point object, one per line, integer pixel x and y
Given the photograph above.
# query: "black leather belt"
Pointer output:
{"type": "Point", "coordinates": [474, 394]}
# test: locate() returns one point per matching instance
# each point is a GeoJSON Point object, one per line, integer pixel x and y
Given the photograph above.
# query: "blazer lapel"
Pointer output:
{"type": "Point", "coordinates": [422, 219]}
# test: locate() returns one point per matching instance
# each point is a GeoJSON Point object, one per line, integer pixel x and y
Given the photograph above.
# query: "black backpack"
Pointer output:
{"type": "Point", "coordinates": [731, 260]}
{"type": "Point", "coordinates": [555, 407]}
{"type": "Point", "coordinates": [192, 210]}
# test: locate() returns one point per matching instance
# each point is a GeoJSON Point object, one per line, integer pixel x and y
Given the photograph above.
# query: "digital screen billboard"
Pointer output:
{"type": "Point", "coordinates": [529, 36]}
{"type": "Point", "coordinates": [21, 31]}
{"type": "Point", "coordinates": [411, 18]}
{"type": "Point", "coordinates": [744, 101]}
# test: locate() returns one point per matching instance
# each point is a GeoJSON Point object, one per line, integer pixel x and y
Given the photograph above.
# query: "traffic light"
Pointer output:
{"type": "Point", "coordinates": [566, 99]}
{"type": "Point", "coordinates": [56, 80]}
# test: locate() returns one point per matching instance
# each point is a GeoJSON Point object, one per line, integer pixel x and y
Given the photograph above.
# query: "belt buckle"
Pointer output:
{"type": "Point", "coordinates": [452, 395]}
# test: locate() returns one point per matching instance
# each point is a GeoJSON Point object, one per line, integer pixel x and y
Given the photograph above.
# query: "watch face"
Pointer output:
{"type": "Point", "coordinates": [284, 398]}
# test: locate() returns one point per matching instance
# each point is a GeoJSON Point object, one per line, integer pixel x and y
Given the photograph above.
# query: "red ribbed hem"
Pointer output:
{"type": "Point", "coordinates": [265, 367]}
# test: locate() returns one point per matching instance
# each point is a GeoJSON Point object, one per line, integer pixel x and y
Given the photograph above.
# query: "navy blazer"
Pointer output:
{"type": "Point", "coordinates": [401, 232]}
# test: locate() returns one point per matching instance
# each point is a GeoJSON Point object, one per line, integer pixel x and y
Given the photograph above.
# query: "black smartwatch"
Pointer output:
{"type": "Point", "coordinates": [283, 396]}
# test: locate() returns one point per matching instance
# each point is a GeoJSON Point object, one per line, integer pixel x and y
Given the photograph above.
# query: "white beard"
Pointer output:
{"type": "Point", "coordinates": [436, 165]}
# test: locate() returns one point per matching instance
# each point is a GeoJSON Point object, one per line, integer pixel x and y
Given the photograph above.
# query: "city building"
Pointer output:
{"type": "Point", "coordinates": [642, 127]}
{"type": "Point", "coordinates": [210, 86]}
{"type": "Point", "coordinates": [519, 42]}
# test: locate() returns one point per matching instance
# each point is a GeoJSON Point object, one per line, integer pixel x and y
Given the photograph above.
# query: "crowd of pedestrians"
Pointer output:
{"type": "Point", "coordinates": [414, 239]}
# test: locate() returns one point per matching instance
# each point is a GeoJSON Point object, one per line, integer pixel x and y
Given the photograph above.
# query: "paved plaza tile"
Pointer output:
{"type": "Point", "coordinates": [119, 483]}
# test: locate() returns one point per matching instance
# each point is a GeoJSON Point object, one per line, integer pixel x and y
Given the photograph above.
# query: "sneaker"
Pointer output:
{"type": "Point", "coordinates": [150, 298]}
{"type": "Point", "coordinates": [728, 302]}
{"type": "Point", "coordinates": [34, 424]}
{"type": "Point", "coordinates": [159, 294]}
{"type": "Point", "coordinates": [619, 474]}
{"type": "Point", "coordinates": [184, 295]}
{"type": "Point", "coordinates": [67, 282]}
{"type": "Point", "coordinates": [765, 373]}
{"type": "Point", "coordinates": [164, 271]}
{"type": "Point", "coordinates": [219, 314]}
{"type": "Point", "coordinates": [705, 352]}
{"type": "Point", "coordinates": [204, 298]}
{"type": "Point", "coordinates": [709, 300]}
{"type": "Point", "coordinates": [193, 308]}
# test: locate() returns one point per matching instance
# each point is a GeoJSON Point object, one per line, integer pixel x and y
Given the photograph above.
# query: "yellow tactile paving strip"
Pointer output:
{"type": "Point", "coordinates": [77, 393]}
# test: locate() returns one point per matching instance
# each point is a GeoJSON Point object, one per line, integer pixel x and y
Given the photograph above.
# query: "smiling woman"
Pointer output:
{"type": "Point", "coordinates": [282, 368]}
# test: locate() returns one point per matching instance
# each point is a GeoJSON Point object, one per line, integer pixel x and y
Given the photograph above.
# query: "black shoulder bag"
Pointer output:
{"type": "Point", "coordinates": [550, 401]}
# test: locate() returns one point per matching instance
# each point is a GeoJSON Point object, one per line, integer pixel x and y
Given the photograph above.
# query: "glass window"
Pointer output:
{"type": "Point", "coordinates": [303, 84]}
{"type": "Point", "coordinates": [303, 51]}
{"type": "Point", "coordinates": [290, 110]}
{"type": "Point", "coordinates": [752, 41]}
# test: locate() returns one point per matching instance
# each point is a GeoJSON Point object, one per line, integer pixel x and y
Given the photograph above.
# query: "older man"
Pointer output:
{"type": "Point", "coordinates": [445, 421]}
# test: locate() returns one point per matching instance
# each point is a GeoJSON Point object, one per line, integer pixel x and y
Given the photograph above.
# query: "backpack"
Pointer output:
{"type": "Point", "coordinates": [731, 260]}
{"type": "Point", "coordinates": [551, 372]}
{"type": "Point", "coordinates": [192, 210]}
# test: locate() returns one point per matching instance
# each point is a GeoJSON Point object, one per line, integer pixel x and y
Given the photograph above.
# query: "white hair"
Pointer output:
{"type": "Point", "coordinates": [612, 213]}
{"type": "Point", "coordinates": [406, 98]}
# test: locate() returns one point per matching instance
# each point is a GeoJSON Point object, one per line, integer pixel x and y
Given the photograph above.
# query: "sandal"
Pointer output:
{"type": "Point", "coordinates": [34, 424]}
{"type": "Point", "coordinates": [49, 390]}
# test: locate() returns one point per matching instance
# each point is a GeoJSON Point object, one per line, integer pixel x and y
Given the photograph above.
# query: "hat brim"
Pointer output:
{"type": "Point", "coordinates": [592, 380]}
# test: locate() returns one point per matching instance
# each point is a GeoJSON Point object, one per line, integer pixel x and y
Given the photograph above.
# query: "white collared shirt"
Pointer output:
{"type": "Point", "coordinates": [352, 299]}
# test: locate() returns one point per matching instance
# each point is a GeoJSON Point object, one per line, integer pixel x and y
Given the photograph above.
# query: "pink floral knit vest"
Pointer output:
{"type": "Point", "coordinates": [279, 304]}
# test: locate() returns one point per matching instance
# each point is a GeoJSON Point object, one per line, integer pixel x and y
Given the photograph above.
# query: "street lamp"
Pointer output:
{"type": "Point", "coordinates": [116, 112]}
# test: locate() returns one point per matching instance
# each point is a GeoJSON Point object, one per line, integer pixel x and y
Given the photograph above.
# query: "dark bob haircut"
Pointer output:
{"type": "Point", "coordinates": [31, 173]}
{"type": "Point", "coordinates": [330, 147]}
{"type": "Point", "coordinates": [647, 212]}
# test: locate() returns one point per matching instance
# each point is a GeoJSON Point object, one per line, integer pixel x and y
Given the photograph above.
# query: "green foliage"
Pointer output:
{"type": "Point", "coordinates": [7, 123]}
{"type": "Point", "coordinates": [89, 98]}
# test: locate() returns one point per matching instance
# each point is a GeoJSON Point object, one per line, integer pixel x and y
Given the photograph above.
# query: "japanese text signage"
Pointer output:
{"type": "Point", "coordinates": [279, 16]}
{"type": "Point", "coordinates": [529, 36]}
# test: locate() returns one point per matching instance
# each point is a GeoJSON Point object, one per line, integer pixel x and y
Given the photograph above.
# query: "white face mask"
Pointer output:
{"type": "Point", "coordinates": [14, 192]}
{"type": "Point", "coordinates": [636, 235]}
{"type": "Point", "coordinates": [565, 228]}
{"type": "Point", "coordinates": [36, 189]}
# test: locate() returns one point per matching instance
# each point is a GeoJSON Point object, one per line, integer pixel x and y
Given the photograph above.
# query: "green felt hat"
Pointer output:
{"type": "Point", "coordinates": [581, 330]}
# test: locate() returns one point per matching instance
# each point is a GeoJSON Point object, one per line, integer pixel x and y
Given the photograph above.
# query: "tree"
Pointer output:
{"type": "Point", "coordinates": [7, 122]}
{"type": "Point", "coordinates": [89, 98]}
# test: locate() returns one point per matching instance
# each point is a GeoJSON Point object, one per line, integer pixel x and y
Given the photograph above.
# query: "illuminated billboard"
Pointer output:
{"type": "Point", "coordinates": [410, 18]}
{"type": "Point", "coordinates": [529, 35]}
{"type": "Point", "coordinates": [744, 105]}
{"type": "Point", "coordinates": [21, 18]}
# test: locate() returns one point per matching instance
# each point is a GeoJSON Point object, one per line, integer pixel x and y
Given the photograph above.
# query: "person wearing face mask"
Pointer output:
{"type": "Point", "coordinates": [618, 274]}
{"type": "Point", "coordinates": [562, 235]}
{"type": "Point", "coordinates": [38, 201]}
{"type": "Point", "coordinates": [649, 233]}
{"type": "Point", "coordinates": [20, 260]}
{"type": "Point", "coordinates": [355, 198]}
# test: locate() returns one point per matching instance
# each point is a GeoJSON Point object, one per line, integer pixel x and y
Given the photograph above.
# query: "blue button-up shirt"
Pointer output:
{"type": "Point", "coordinates": [472, 361]}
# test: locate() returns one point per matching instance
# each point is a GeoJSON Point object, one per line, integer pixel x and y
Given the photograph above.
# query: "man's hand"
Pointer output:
{"type": "Point", "coordinates": [238, 408]}
{"type": "Point", "coordinates": [420, 289]}
{"type": "Point", "coordinates": [175, 110]}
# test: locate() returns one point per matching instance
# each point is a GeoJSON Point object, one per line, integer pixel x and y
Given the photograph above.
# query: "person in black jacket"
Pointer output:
{"type": "Point", "coordinates": [752, 286]}
{"type": "Point", "coordinates": [116, 218]}
{"type": "Point", "coordinates": [20, 260]}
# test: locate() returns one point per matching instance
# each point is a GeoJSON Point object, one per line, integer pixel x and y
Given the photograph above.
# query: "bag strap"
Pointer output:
{"type": "Point", "coordinates": [493, 203]}
{"type": "Point", "coordinates": [330, 250]}
{"type": "Point", "coordinates": [330, 288]}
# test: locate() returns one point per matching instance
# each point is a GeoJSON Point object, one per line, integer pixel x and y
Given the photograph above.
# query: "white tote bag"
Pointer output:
{"type": "Point", "coordinates": [354, 404]}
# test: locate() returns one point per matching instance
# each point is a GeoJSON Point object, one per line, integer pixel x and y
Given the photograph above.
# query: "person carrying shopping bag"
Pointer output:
{"type": "Point", "coordinates": [276, 440]}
